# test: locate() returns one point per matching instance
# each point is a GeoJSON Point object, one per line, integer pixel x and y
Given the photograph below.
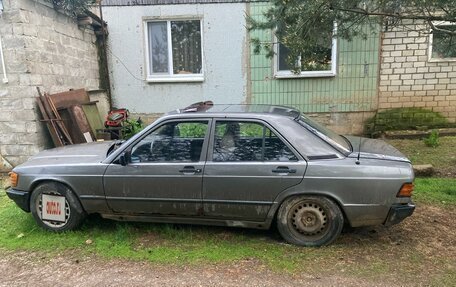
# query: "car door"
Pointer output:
{"type": "Point", "coordinates": [248, 165]}
{"type": "Point", "coordinates": [163, 175]}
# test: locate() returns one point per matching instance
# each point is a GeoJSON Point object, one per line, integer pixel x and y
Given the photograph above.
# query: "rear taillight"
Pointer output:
{"type": "Point", "coordinates": [406, 190]}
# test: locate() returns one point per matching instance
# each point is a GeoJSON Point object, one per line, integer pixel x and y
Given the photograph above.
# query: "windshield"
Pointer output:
{"type": "Point", "coordinates": [328, 135]}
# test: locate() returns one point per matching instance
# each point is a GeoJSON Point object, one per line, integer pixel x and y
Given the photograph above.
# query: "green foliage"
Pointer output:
{"type": "Point", "coordinates": [131, 127]}
{"type": "Point", "coordinates": [433, 139]}
{"type": "Point", "coordinates": [305, 27]}
{"type": "Point", "coordinates": [192, 130]}
{"type": "Point", "coordinates": [72, 7]}
{"type": "Point", "coordinates": [404, 119]}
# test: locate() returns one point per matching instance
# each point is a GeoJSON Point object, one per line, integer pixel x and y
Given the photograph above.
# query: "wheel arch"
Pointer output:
{"type": "Point", "coordinates": [40, 181]}
{"type": "Point", "coordinates": [285, 196]}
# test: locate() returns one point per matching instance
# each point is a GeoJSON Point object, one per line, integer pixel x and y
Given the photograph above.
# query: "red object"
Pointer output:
{"type": "Point", "coordinates": [116, 117]}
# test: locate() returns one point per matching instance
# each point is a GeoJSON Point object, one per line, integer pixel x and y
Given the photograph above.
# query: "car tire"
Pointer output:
{"type": "Point", "coordinates": [309, 220]}
{"type": "Point", "coordinates": [74, 213]}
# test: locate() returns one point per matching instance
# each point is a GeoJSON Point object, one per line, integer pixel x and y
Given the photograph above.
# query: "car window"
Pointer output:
{"type": "Point", "coordinates": [248, 141]}
{"type": "Point", "coordinates": [172, 142]}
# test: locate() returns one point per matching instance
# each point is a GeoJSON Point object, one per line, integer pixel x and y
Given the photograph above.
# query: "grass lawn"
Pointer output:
{"type": "Point", "coordinates": [443, 158]}
{"type": "Point", "coordinates": [356, 253]}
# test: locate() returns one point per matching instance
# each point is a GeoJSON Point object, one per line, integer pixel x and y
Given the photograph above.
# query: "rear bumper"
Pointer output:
{"type": "Point", "coordinates": [398, 213]}
{"type": "Point", "coordinates": [21, 198]}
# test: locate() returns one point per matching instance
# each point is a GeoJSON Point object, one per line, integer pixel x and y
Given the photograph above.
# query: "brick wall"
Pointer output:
{"type": "Point", "coordinates": [409, 79]}
{"type": "Point", "coordinates": [42, 48]}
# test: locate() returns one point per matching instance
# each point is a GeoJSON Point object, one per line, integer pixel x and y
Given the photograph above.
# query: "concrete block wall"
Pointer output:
{"type": "Point", "coordinates": [409, 79]}
{"type": "Point", "coordinates": [42, 48]}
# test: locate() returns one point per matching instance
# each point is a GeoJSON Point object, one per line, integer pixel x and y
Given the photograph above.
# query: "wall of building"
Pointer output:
{"type": "Point", "coordinates": [409, 79]}
{"type": "Point", "coordinates": [42, 48]}
{"type": "Point", "coordinates": [224, 57]}
{"type": "Point", "coordinates": [343, 102]}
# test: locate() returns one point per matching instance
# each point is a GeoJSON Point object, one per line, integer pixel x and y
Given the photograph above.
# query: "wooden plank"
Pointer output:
{"type": "Point", "coordinates": [70, 98]}
{"type": "Point", "coordinates": [66, 136]}
{"type": "Point", "coordinates": [93, 117]}
{"type": "Point", "coordinates": [80, 123]}
{"type": "Point", "coordinates": [49, 124]}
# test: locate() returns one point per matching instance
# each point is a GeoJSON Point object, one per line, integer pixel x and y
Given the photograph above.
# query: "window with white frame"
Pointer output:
{"type": "Point", "coordinates": [324, 66]}
{"type": "Point", "coordinates": [442, 45]}
{"type": "Point", "coordinates": [174, 50]}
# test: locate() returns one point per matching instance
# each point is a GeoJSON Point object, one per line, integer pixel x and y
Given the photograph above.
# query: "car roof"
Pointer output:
{"type": "Point", "coordinates": [206, 108]}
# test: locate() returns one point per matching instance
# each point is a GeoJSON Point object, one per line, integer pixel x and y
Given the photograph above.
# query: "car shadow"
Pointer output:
{"type": "Point", "coordinates": [350, 236]}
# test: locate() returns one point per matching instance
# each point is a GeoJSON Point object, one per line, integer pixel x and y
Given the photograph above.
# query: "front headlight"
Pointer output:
{"type": "Point", "coordinates": [14, 178]}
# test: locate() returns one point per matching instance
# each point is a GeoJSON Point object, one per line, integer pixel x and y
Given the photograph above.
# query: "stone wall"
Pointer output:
{"type": "Point", "coordinates": [42, 48]}
{"type": "Point", "coordinates": [409, 79]}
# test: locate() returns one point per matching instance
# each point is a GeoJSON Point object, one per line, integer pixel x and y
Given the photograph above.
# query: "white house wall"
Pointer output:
{"type": "Point", "coordinates": [224, 57]}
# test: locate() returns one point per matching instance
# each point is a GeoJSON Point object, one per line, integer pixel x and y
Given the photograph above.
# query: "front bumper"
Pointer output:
{"type": "Point", "coordinates": [21, 198]}
{"type": "Point", "coordinates": [398, 213]}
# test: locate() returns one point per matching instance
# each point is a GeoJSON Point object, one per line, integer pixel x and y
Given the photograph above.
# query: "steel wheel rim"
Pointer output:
{"type": "Point", "coordinates": [309, 220]}
{"type": "Point", "coordinates": [53, 224]}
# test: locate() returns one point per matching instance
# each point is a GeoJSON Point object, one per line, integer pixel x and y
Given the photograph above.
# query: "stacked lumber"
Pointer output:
{"type": "Point", "coordinates": [70, 116]}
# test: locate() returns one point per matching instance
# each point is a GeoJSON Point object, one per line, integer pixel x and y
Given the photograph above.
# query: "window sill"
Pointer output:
{"type": "Point", "coordinates": [440, 60]}
{"type": "Point", "coordinates": [310, 74]}
{"type": "Point", "coordinates": [175, 79]}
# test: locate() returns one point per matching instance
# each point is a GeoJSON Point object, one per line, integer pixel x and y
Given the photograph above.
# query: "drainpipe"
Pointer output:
{"type": "Point", "coordinates": [5, 79]}
{"type": "Point", "coordinates": [105, 52]}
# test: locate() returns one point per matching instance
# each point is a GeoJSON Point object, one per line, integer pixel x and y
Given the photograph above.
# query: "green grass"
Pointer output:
{"type": "Point", "coordinates": [435, 190]}
{"type": "Point", "coordinates": [443, 158]}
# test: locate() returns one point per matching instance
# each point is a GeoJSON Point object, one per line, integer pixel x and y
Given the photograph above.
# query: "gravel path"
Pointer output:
{"type": "Point", "coordinates": [25, 269]}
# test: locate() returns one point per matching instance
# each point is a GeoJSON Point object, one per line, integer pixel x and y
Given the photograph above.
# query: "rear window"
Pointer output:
{"type": "Point", "coordinates": [326, 134]}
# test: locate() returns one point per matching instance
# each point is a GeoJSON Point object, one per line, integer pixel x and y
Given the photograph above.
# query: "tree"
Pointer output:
{"type": "Point", "coordinates": [72, 7]}
{"type": "Point", "coordinates": [305, 27]}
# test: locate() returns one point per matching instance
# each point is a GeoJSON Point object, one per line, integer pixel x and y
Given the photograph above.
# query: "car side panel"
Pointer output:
{"type": "Point", "coordinates": [246, 190]}
{"type": "Point", "coordinates": [365, 192]}
{"type": "Point", "coordinates": [86, 181]}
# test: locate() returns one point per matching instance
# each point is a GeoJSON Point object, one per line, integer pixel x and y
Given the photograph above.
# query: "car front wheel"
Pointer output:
{"type": "Point", "coordinates": [55, 207]}
{"type": "Point", "coordinates": [309, 220]}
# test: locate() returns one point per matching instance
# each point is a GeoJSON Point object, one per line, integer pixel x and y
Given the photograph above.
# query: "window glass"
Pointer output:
{"type": "Point", "coordinates": [322, 63]}
{"type": "Point", "coordinates": [318, 58]}
{"type": "Point", "coordinates": [248, 141]}
{"type": "Point", "coordinates": [180, 40]}
{"type": "Point", "coordinates": [158, 47]}
{"type": "Point", "coordinates": [444, 44]}
{"type": "Point", "coordinates": [172, 142]}
{"type": "Point", "coordinates": [326, 133]}
{"type": "Point", "coordinates": [186, 41]}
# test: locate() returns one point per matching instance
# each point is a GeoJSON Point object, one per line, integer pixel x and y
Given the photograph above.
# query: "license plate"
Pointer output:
{"type": "Point", "coordinates": [53, 208]}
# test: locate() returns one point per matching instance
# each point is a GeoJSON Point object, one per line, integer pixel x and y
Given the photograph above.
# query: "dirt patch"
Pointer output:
{"type": "Point", "coordinates": [27, 269]}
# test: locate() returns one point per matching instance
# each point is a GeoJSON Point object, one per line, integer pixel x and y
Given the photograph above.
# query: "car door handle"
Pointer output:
{"type": "Point", "coordinates": [190, 170]}
{"type": "Point", "coordinates": [283, 169]}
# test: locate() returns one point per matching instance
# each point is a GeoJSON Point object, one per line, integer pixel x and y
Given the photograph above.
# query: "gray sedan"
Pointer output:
{"type": "Point", "coordinates": [241, 165]}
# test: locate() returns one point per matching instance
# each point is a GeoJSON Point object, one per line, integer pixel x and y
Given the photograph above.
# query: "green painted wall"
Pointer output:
{"type": "Point", "coordinates": [353, 89]}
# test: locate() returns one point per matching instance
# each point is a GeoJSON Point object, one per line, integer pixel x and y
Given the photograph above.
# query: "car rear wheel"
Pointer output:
{"type": "Point", "coordinates": [55, 207]}
{"type": "Point", "coordinates": [309, 220]}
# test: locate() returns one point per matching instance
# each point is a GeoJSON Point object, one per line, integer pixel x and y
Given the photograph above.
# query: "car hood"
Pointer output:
{"type": "Point", "coordinates": [72, 154]}
{"type": "Point", "coordinates": [374, 149]}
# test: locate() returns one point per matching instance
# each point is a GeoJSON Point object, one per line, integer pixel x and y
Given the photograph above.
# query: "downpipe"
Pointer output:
{"type": "Point", "coordinates": [5, 79]}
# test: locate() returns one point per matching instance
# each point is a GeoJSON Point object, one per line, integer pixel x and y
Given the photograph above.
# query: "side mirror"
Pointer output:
{"type": "Point", "coordinates": [124, 158]}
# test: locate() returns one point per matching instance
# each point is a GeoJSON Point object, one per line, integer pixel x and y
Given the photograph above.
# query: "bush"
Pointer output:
{"type": "Point", "coordinates": [404, 119]}
{"type": "Point", "coordinates": [433, 139]}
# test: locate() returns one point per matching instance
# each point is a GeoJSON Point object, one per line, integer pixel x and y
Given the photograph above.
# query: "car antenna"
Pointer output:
{"type": "Point", "coordinates": [359, 151]}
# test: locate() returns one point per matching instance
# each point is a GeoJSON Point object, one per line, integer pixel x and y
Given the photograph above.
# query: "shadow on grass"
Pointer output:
{"type": "Point", "coordinates": [180, 231]}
